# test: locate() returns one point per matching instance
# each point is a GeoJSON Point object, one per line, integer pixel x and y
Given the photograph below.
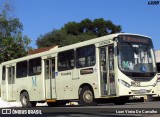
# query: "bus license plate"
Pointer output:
{"type": "Point", "coordinates": [142, 90]}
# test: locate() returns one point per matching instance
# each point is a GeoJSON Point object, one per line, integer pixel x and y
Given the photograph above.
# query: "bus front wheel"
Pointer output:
{"type": "Point", "coordinates": [87, 97]}
{"type": "Point", "coordinates": [24, 98]}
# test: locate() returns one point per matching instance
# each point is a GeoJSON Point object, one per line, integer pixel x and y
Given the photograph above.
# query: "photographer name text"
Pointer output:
{"type": "Point", "coordinates": [136, 111]}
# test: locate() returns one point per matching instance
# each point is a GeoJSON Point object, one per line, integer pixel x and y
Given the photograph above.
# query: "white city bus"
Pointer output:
{"type": "Point", "coordinates": [114, 67]}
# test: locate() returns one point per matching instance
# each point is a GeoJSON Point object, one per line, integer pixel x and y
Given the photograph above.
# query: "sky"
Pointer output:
{"type": "Point", "coordinates": [42, 16]}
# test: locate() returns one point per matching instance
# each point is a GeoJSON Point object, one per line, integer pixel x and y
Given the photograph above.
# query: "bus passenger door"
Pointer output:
{"type": "Point", "coordinates": [107, 70]}
{"type": "Point", "coordinates": [103, 70]}
{"type": "Point", "coordinates": [50, 86]}
{"type": "Point", "coordinates": [111, 74]}
{"type": "Point", "coordinates": [11, 82]}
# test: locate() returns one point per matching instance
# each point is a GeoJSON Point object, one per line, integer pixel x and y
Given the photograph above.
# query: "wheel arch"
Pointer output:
{"type": "Point", "coordinates": [23, 91]}
{"type": "Point", "coordinates": [85, 85]}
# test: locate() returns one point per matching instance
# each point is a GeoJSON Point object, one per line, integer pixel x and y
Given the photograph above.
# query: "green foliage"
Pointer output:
{"type": "Point", "coordinates": [12, 43]}
{"type": "Point", "coordinates": [13, 48]}
{"type": "Point", "coordinates": [52, 38]}
{"type": "Point", "coordinates": [74, 32]}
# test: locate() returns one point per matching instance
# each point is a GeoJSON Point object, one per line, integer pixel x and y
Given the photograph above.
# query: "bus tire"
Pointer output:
{"type": "Point", "coordinates": [25, 101]}
{"type": "Point", "coordinates": [87, 97]}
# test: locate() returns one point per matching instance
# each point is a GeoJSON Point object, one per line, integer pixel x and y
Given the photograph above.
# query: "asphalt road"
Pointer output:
{"type": "Point", "coordinates": [138, 109]}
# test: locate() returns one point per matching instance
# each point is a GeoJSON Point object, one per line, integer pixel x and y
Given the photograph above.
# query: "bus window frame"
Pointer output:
{"type": "Point", "coordinates": [26, 74]}
{"type": "Point", "coordinates": [62, 68]}
{"type": "Point", "coordinates": [85, 56]}
{"type": "Point", "coordinates": [136, 74]}
{"type": "Point", "coordinates": [31, 73]}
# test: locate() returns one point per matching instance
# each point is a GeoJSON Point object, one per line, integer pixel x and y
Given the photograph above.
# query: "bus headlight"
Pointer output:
{"type": "Point", "coordinates": [124, 83]}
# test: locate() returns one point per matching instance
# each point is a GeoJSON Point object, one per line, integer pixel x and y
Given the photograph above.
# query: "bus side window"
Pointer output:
{"type": "Point", "coordinates": [3, 73]}
{"type": "Point", "coordinates": [85, 56]}
{"type": "Point", "coordinates": [66, 60]}
{"type": "Point", "coordinates": [111, 57]}
{"type": "Point", "coordinates": [35, 66]}
{"type": "Point", "coordinates": [21, 69]}
{"type": "Point", "coordinates": [53, 68]}
{"type": "Point", "coordinates": [11, 75]}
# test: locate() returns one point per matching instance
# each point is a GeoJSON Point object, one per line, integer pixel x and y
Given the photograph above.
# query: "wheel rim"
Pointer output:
{"type": "Point", "coordinates": [88, 96]}
{"type": "Point", "coordinates": [24, 100]}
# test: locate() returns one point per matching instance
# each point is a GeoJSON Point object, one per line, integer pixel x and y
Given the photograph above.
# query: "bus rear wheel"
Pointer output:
{"type": "Point", "coordinates": [24, 98]}
{"type": "Point", "coordinates": [87, 97]}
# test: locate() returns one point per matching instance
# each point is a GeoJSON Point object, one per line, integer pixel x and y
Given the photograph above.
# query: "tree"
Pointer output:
{"type": "Point", "coordinates": [74, 32]}
{"type": "Point", "coordinates": [99, 27]}
{"type": "Point", "coordinates": [54, 37]}
{"type": "Point", "coordinates": [12, 43]}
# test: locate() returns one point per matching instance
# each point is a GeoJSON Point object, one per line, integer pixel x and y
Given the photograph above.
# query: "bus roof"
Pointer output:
{"type": "Point", "coordinates": [80, 44]}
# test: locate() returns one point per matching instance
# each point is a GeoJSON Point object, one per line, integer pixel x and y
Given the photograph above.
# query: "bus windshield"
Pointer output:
{"type": "Point", "coordinates": [136, 57]}
{"type": "Point", "coordinates": [158, 67]}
